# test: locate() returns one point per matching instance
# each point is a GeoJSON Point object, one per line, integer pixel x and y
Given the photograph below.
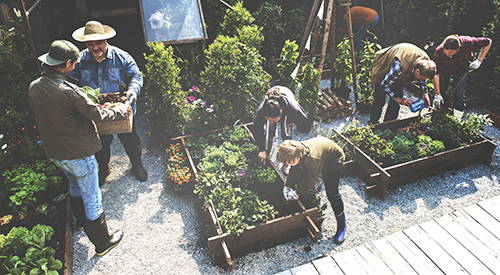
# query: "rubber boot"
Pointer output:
{"type": "Point", "coordinates": [78, 211]}
{"type": "Point", "coordinates": [97, 232]}
{"type": "Point", "coordinates": [139, 171]}
{"type": "Point", "coordinates": [341, 234]}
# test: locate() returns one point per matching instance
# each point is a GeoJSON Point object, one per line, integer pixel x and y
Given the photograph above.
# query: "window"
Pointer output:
{"type": "Point", "coordinates": [172, 21]}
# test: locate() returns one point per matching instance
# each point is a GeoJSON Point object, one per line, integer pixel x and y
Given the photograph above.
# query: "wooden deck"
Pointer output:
{"type": "Point", "coordinates": [466, 241]}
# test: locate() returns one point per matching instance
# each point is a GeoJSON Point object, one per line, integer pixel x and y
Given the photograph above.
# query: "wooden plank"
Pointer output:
{"type": "Point", "coordinates": [191, 162]}
{"type": "Point", "coordinates": [435, 252]}
{"type": "Point", "coordinates": [373, 260]}
{"type": "Point", "coordinates": [352, 263]}
{"type": "Point", "coordinates": [454, 248]}
{"type": "Point", "coordinates": [115, 12]}
{"type": "Point", "coordinates": [391, 257]}
{"type": "Point", "coordinates": [489, 258]}
{"type": "Point", "coordinates": [412, 254]}
{"type": "Point", "coordinates": [482, 217]}
{"type": "Point", "coordinates": [492, 206]}
{"type": "Point", "coordinates": [327, 266]}
{"type": "Point", "coordinates": [286, 272]}
{"type": "Point", "coordinates": [266, 231]}
{"type": "Point", "coordinates": [305, 269]}
{"type": "Point", "coordinates": [476, 230]}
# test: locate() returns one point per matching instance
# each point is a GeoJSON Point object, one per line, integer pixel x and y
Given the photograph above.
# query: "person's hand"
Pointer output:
{"type": "Point", "coordinates": [263, 156]}
{"type": "Point", "coordinates": [438, 101]}
{"type": "Point", "coordinates": [131, 97]}
{"type": "Point", "coordinates": [475, 65]}
{"type": "Point", "coordinates": [290, 194]}
{"type": "Point", "coordinates": [122, 109]}
{"type": "Point", "coordinates": [403, 101]}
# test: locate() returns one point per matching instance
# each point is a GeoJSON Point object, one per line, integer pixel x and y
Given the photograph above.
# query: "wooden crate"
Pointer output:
{"type": "Point", "coordinates": [223, 246]}
{"type": "Point", "coordinates": [379, 179]}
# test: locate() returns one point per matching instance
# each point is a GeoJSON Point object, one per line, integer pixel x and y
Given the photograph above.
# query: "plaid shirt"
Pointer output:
{"type": "Point", "coordinates": [393, 76]}
{"type": "Point", "coordinates": [460, 61]}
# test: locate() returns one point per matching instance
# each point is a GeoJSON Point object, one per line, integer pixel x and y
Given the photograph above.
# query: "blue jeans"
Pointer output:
{"type": "Point", "coordinates": [83, 182]}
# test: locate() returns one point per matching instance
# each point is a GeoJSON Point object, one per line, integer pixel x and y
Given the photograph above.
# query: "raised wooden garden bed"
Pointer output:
{"type": "Point", "coordinates": [381, 178]}
{"type": "Point", "coordinates": [330, 106]}
{"type": "Point", "coordinates": [494, 115]}
{"type": "Point", "coordinates": [224, 246]}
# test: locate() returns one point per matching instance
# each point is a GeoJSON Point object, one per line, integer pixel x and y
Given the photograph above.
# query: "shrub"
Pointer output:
{"type": "Point", "coordinates": [308, 89]}
{"type": "Point", "coordinates": [164, 99]}
{"type": "Point", "coordinates": [235, 19]}
{"type": "Point", "coordinates": [251, 36]}
{"type": "Point", "coordinates": [270, 17]}
{"type": "Point", "coordinates": [233, 79]}
{"type": "Point", "coordinates": [19, 136]}
{"type": "Point", "coordinates": [288, 61]}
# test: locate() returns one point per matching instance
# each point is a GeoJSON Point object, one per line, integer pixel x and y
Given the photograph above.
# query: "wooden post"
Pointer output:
{"type": "Point", "coordinates": [26, 20]}
{"type": "Point", "coordinates": [353, 54]}
{"type": "Point", "coordinates": [325, 38]}
{"type": "Point", "coordinates": [309, 27]}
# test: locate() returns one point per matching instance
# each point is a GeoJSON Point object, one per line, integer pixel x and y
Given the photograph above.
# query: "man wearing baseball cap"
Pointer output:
{"type": "Point", "coordinates": [65, 119]}
{"type": "Point", "coordinates": [109, 68]}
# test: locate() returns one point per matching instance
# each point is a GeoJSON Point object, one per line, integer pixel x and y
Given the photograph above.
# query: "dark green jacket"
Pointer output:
{"type": "Point", "coordinates": [322, 154]}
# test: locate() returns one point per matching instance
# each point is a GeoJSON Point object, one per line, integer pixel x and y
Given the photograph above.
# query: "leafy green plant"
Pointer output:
{"type": "Point", "coordinates": [236, 18]}
{"type": "Point", "coordinates": [25, 252]}
{"type": "Point", "coordinates": [251, 36]}
{"type": "Point", "coordinates": [27, 181]}
{"type": "Point", "coordinates": [270, 17]}
{"type": "Point", "coordinates": [307, 90]}
{"type": "Point", "coordinates": [164, 99]}
{"type": "Point", "coordinates": [288, 61]}
{"type": "Point", "coordinates": [92, 94]}
{"type": "Point", "coordinates": [473, 127]}
{"type": "Point", "coordinates": [233, 79]}
{"type": "Point", "coordinates": [265, 175]}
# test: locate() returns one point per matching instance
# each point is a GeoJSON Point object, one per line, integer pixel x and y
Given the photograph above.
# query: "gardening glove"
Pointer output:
{"type": "Point", "coordinates": [122, 109]}
{"type": "Point", "coordinates": [475, 65]}
{"type": "Point", "coordinates": [131, 97]}
{"type": "Point", "coordinates": [290, 194]}
{"type": "Point", "coordinates": [438, 100]}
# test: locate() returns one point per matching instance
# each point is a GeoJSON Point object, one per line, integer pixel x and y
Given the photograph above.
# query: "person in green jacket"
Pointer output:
{"type": "Point", "coordinates": [310, 159]}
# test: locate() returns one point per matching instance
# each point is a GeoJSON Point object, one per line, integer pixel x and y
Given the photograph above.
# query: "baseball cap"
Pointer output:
{"type": "Point", "coordinates": [59, 52]}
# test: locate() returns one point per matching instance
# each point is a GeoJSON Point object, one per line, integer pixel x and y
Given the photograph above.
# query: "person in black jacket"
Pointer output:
{"type": "Point", "coordinates": [279, 105]}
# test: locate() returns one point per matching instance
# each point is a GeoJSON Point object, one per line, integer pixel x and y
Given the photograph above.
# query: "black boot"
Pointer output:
{"type": "Point", "coordinates": [78, 211]}
{"type": "Point", "coordinates": [97, 231]}
{"type": "Point", "coordinates": [103, 174]}
{"type": "Point", "coordinates": [341, 233]}
{"type": "Point", "coordinates": [138, 171]}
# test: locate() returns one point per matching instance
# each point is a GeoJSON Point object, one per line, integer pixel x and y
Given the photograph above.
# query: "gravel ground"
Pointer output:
{"type": "Point", "coordinates": [163, 234]}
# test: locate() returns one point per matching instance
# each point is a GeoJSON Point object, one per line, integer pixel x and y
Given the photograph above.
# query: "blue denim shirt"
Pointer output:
{"type": "Point", "coordinates": [119, 67]}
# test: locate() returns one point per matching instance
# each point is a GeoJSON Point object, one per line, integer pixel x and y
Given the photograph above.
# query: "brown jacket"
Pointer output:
{"type": "Point", "coordinates": [408, 54]}
{"type": "Point", "coordinates": [65, 117]}
{"type": "Point", "coordinates": [322, 154]}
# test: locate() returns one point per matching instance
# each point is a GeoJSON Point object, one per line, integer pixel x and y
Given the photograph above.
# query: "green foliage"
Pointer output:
{"type": "Point", "coordinates": [224, 171]}
{"type": "Point", "coordinates": [364, 137]}
{"type": "Point", "coordinates": [92, 94]}
{"type": "Point", "coordinates": [233, 79]}
{"type": "Point", "coordinates": [27, 181]}
{"type": "Point", "coordinates": [454, 132]}
{"type": "Point", "coordinates": [343, 68]}
{"type": "Point", "coordinates": [270, 16]}
{"type": "Point", "coordinates": [235, 19]}
{"type": "Point", "coordinates": [426, 146]}
{"type": "Point", "coordinates": [265, 175]}
{"type": "Point", "coordinates": [288, 61]}
{"type": "Point", "coordinates": [18, 138]}
{"type": "Point", "coordinates": [164, 99]}
{"type": "Point", "coordinates": [25, 252]}
{"type": "Point", "coordinates": [251, 36]}
{"type": "Point", "coordinates": [308, 89]}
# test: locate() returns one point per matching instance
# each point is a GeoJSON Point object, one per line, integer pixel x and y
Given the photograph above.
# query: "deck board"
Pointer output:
{"type": "Point", "coordinates": [391, 257]}
{"type": "Point", "coordinates": [454, 248]}
{"type": "Point", "coordinates": [485, 219]}
{"type": "Point", "coordinates": [327, 266]}
{"type": "Point", "coordinates": [466, 241]}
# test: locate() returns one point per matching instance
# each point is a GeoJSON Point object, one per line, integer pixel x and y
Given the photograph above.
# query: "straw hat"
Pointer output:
{"type": "Point", "coordinates": [93, 31]}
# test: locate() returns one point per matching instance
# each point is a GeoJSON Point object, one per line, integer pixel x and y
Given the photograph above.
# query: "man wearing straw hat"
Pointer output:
{"type": "Point", "coordinates": [65, 118]}
{"type": "Point", "coordinates": [109, 68]}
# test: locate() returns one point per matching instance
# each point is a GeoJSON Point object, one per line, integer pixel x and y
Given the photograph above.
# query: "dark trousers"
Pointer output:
{"type": "Point", "coordinates": [331, 179]}
{"type": "Point", "coordinates": [457, 99]}
{"type": "Point", "coordinates": [131, 143]}
{"type": "Point", "coordinates": [392, 111]}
